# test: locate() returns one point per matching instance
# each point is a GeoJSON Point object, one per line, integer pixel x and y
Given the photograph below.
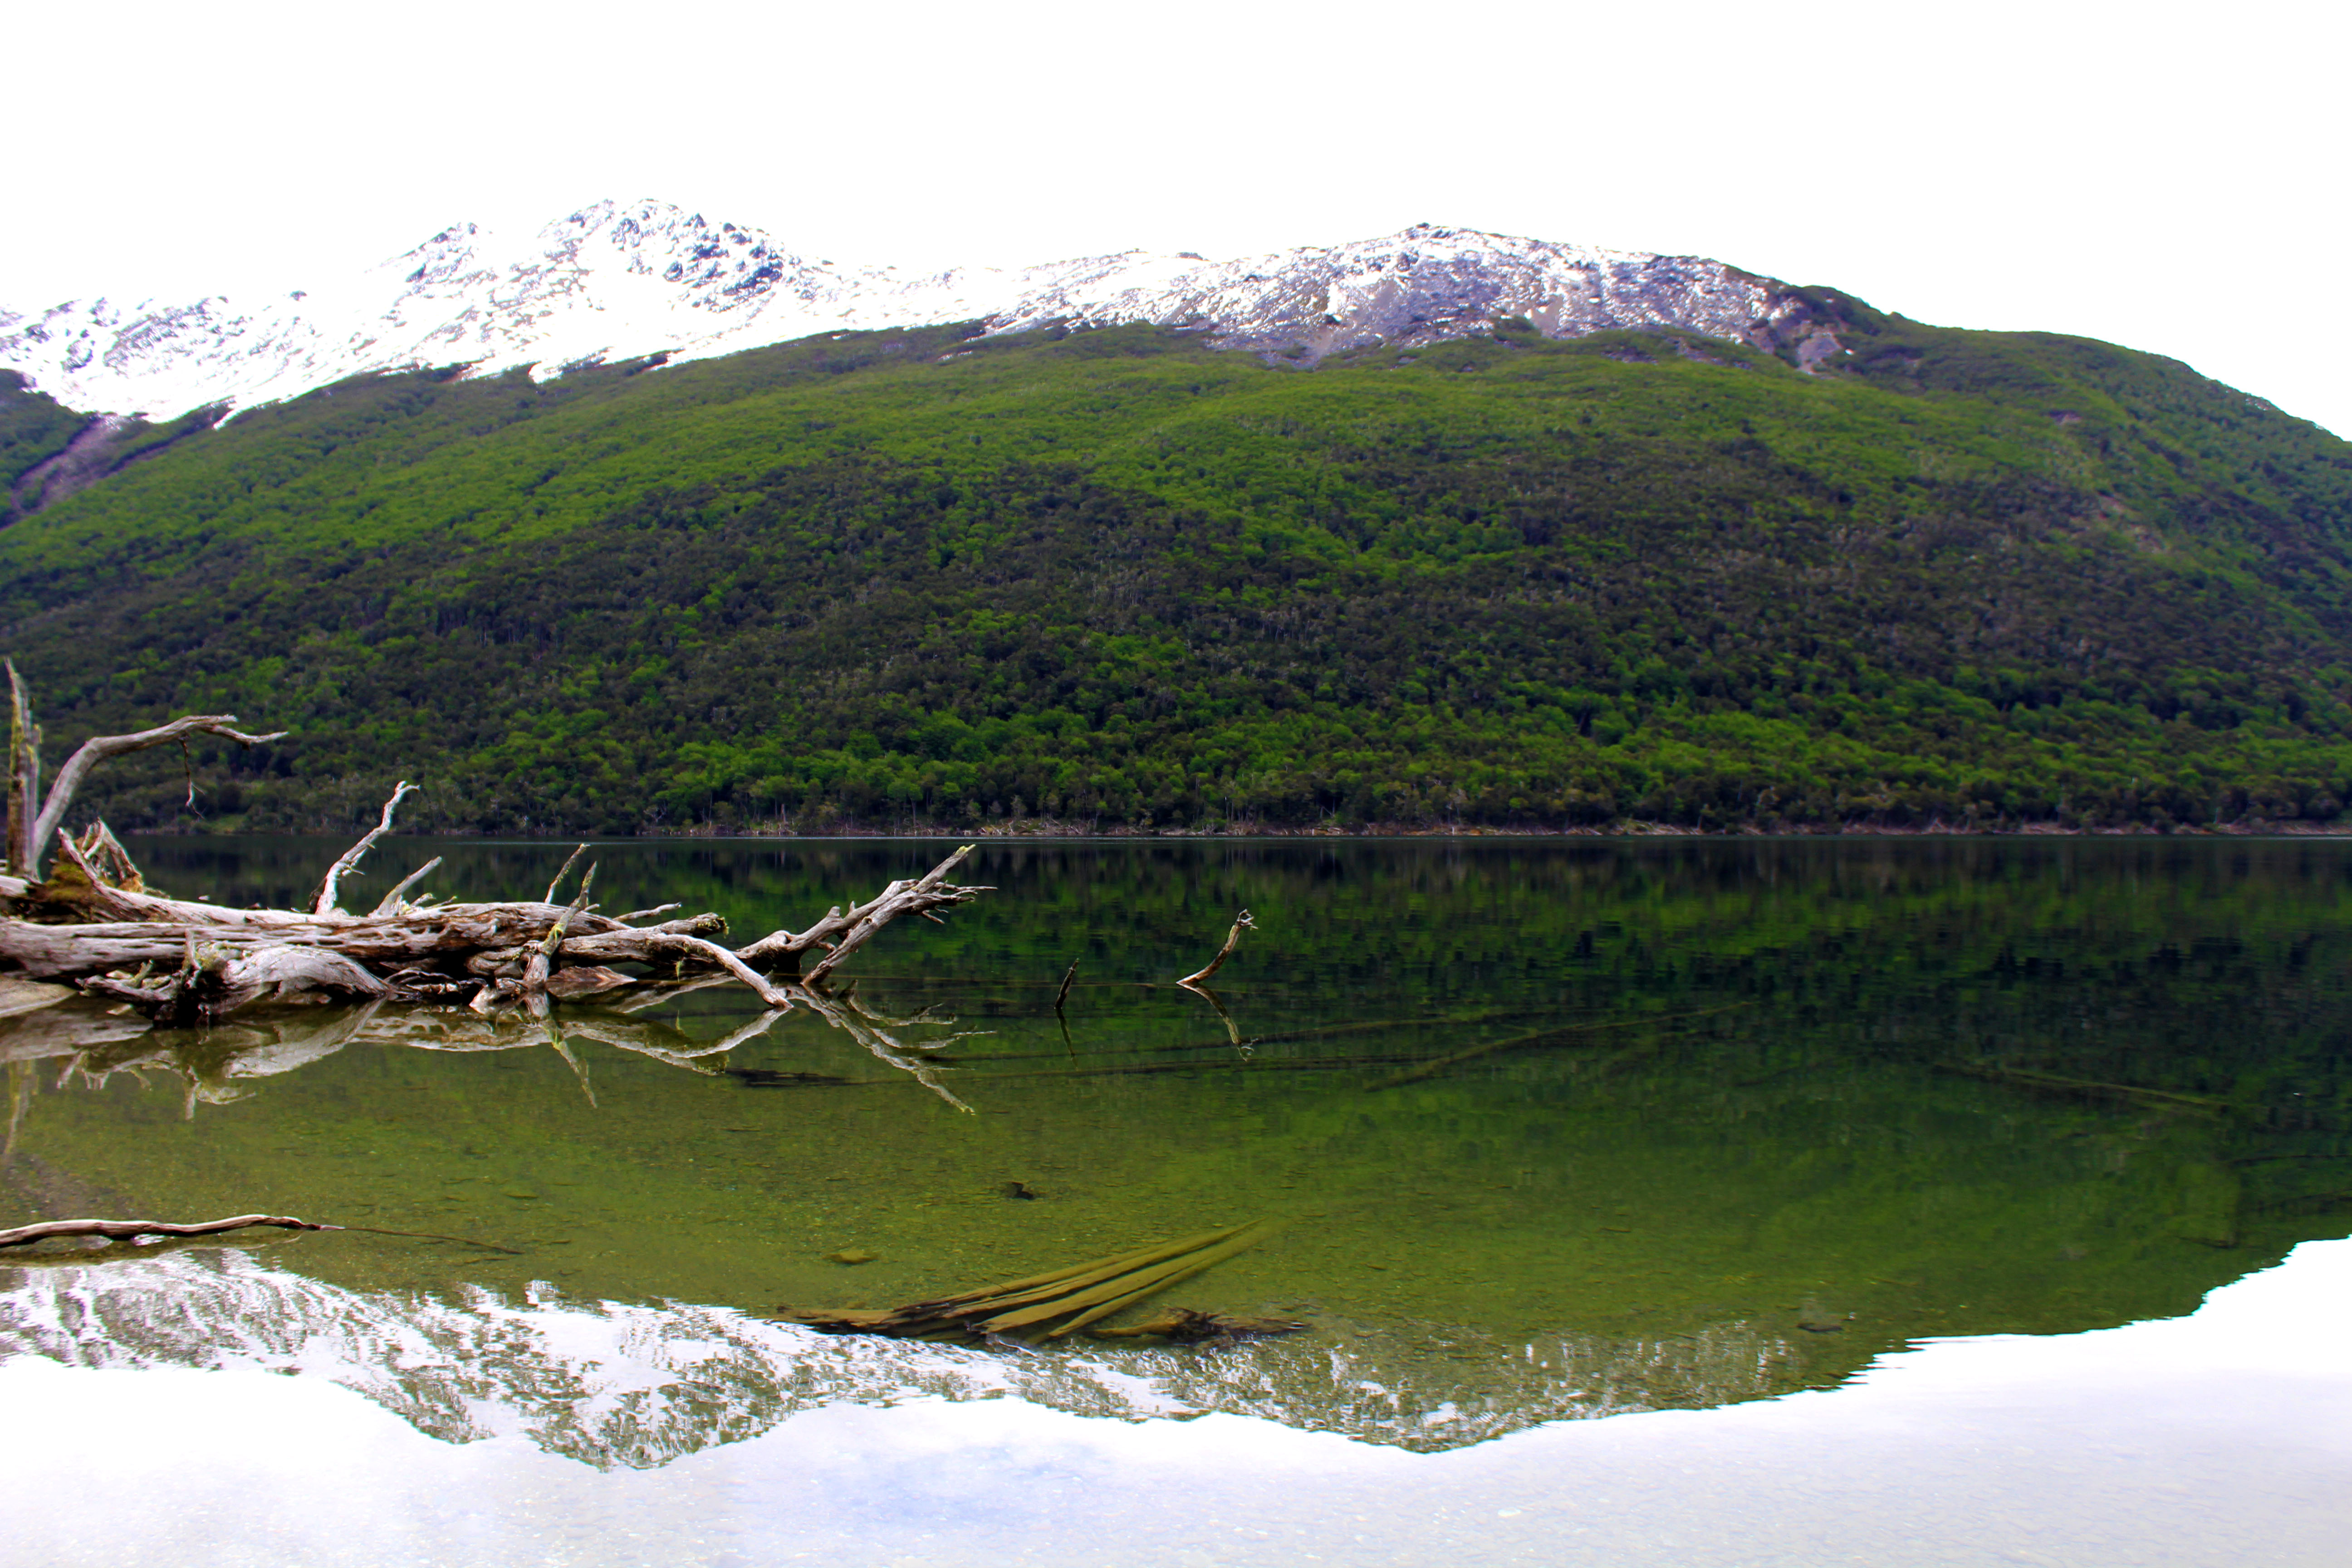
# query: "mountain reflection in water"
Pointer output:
{"type": "Point", "coordinates": [613, 1384]}
{"type": "Point", "coordinates": [1558, 1131]}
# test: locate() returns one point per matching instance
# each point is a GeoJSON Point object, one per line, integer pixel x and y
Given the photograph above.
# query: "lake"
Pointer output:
{"type": "Point", "coordinates": [1677, 1202]}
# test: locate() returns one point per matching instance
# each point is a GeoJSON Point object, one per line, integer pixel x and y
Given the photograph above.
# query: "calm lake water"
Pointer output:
{"type": "Point", "coordinates": [1898, 1201]}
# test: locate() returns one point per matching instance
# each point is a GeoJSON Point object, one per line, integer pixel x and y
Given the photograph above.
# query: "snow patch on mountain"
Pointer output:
{"type": "Point", "coordinates": [613, 282]}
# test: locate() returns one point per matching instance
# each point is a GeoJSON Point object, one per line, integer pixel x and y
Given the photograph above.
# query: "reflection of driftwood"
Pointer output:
{"type": "Point", "coordinates": [62, 1031]}
{"type": "Point", "coordinates": [640, 1039]}
{"type": "Point", "coordinates": [773, 1078]}
{"type": "Point", "coordinates": [872, 1031]}
{"type": "Point", "coordinates": [1070, 1298]}
{"type": "Point", "coordinates": [220, 1065]}
{"type": "Point", "coordinates": [1285, 1037]}
{"type": "Point", "coordinates": [1251, 1063]}
{"type": "Point", "coordinates": [217, 1066]}
{"type": "Point", "coordinates": [1241, 922]}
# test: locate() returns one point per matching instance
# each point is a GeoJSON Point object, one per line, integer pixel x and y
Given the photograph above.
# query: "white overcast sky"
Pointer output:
{"type": "Point", "coordinates": [2164, 176]}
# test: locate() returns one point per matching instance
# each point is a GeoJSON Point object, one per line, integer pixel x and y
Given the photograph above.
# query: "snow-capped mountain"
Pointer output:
{"type": "Point", "coordinates": [611, 281]}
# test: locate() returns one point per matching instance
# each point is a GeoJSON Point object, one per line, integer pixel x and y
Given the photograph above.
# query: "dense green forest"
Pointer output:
{"type": "Point", "coordinates": [1117, 579]}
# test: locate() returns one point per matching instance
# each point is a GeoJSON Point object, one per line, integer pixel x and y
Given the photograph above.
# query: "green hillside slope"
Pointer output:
{"type": "Point", "coordinates": [1120, 579]}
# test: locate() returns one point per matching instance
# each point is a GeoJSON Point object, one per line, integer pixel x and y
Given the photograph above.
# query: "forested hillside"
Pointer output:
{"type": "Point", "coordinates": [1120, 580]}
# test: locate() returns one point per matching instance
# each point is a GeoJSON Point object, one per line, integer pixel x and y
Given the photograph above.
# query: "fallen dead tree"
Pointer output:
{"type": "Point", "coordinates": [92, 923]}
{"type": "Point", "coordinates": [189, 963]}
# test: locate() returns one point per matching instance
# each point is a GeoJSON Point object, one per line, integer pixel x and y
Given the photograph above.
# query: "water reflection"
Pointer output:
{"type": "Point", "coordinates": [1560, 1131]}
{"type": "Point", "coordinates": [620, 1384]}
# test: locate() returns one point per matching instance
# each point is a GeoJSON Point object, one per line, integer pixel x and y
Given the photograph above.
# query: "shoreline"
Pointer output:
{"type": "Point", "coordinates": [1046, 829]}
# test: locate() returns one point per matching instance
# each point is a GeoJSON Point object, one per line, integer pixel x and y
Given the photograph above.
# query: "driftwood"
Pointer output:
{"type": "Point", "coordinates": [322, 902]}
{"type": "Point", "coordinates": [1060, 1302]}
{"type": "Point", "coordinates": [1200, 977]}
{"type": "Point", "coordinates": [135, 1229]}
{"type": "Point", "coordinates": [29, 996]}
{"type": "Point", "coordinates": [565, 871]}
{"type": "Point", "coordinates": [132, 1229]}
{"type": "Point", "coordinates": [93, 924]}
{"type": "Point", "coordinates": [29, 829]}
{"type": "Point", "coordinates": [842, 932]}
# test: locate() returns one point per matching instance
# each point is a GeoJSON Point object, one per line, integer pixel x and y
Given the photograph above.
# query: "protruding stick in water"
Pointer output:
{"type": "Point", "coordinates": [1233, 940]}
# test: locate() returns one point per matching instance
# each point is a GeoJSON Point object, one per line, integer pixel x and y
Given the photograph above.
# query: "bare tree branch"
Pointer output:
{"type": "Point", "coordinates": [566, 871]}
{"type": "Point", "coordinates": [919, 896]}
{"type": "Point", "coordinates": [98, 748]}
{"type": "Point", "coordinates": [325, 902]}
{"type": "Point", "coordinates": [390, 903]}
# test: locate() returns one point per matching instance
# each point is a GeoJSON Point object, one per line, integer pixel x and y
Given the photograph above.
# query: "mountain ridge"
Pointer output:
{"type": "Point", "coordinates": [610, 282]}
{"type": "Point", "coordinates": [1115, 576]}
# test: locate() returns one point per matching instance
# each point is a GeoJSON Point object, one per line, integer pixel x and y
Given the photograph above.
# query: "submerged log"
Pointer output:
{"type": "Point", "coordinates": [1059, 1302]}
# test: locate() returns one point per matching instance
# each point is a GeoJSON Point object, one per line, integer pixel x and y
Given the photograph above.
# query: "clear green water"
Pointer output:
{"type": "Point", "coordinates": [1557, 1129]}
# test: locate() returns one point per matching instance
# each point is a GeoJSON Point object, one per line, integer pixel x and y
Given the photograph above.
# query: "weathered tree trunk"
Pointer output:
{"type": "Point", "coordinates": [23, 776]}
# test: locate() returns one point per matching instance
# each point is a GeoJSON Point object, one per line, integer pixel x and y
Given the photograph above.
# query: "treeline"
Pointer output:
{"type": "Point", "coordinates": [1119, 580]}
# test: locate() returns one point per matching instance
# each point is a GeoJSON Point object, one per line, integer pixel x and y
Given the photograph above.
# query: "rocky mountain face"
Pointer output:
{"type": "Point", "coordinates": [612, 282]}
